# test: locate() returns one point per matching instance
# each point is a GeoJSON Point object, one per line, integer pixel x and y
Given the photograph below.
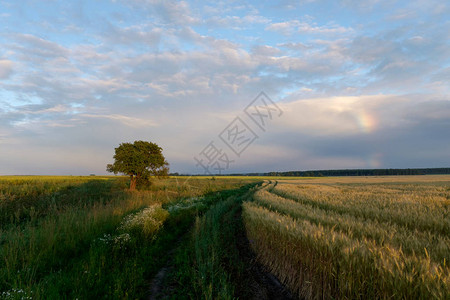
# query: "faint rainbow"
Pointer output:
{"type": "Point", "coordinates": [375, 160]}
{"type": "Point", "coordinates": [367, 123]}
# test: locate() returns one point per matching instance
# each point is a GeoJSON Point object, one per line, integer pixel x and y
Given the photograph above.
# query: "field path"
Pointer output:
{"type": "Point", "coordinates": [156, 289]}
{"type": "Point", "coordinates": [263, 284]}
{"type": "Point", "coordinates": [255, 281]}
{"type": "Point", "coordinates": [156, 286]}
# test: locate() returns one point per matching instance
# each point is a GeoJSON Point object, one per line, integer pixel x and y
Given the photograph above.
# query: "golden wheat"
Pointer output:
{"type": "Point", "coordinates": [354, 240]}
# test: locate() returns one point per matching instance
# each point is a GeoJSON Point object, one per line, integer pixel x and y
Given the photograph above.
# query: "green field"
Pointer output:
{"type": "Point", "coordinates": [220, 238]}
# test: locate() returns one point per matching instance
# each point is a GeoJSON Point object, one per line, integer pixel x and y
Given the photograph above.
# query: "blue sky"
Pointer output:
{"type": "Point", "coordinates": [361, 84]}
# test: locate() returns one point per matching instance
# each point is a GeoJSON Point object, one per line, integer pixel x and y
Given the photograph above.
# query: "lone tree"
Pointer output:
{"type": "Point", "coordinates": [139, 160]}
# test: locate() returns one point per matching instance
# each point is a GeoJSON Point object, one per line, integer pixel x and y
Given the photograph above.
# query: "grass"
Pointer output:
{"type": "Point", "coordinates": [28, 198]}
{"type": "Point", "coordinates": [84, 237]}
{"type": "Point", "coordinates": [208, 265]}
{"type": "Point", "coordinates": [354, 239]}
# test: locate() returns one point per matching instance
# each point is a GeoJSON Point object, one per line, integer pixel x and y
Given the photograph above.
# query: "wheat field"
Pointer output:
{"type": "Point", "coordinates": [347, 238]}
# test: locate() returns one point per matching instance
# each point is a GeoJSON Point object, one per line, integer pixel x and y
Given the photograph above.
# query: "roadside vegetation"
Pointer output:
{"type": "Point", "coordinates": [87, 237]}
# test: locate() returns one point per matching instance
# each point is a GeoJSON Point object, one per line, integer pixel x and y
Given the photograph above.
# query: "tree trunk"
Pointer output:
{"type": "Point", "coordinates": [133, 180]}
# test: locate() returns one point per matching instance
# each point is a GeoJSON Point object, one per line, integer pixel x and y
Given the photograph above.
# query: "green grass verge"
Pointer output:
{"type": "Point", "coordinates": [78, 248]}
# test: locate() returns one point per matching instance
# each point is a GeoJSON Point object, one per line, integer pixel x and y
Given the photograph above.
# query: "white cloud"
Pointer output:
{"type": "Point", "coordinates": [265, 50]}
{"type": "Point", "coordinates": [296, 26]}
{"type": "Point", "coordinates": [36, 46]}
{"type": "Point", "coordinates": [125, 120]}
{"type": "Point", "coordinates": [147, 35]}
{"type": "Point", "coordinates": [347, 116]}
{"type": "Point", "coordinates": [168, 11]}
{"type": "Point", "coordinates": [6, 67]}
{"type": "Point", "coordinates": [294, 46]}
{"type": "Point", "coordinates": [236, 22]}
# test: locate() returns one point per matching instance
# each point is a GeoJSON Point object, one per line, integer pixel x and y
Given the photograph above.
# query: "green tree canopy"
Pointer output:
{"type": "Point", "coordinates": [140, 161]}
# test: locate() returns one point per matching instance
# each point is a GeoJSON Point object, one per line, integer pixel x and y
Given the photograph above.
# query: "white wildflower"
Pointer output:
{"type": "Point", "coordinates": [193, 202]}
{"type": "Point", "coordinates": [148, 221]}
{"type": "Point", "coordinates": [16, 294]}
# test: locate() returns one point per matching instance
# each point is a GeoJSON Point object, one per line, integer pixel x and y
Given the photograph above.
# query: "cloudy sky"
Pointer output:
{"type": "Point", "coordinates": [353, 84]}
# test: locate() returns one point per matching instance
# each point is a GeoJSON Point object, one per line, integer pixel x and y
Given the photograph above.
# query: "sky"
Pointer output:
{"type": "Point", "coordinates": [224, 86]}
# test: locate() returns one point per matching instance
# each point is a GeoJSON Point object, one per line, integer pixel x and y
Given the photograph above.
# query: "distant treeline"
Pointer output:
{"type": "Point", "coordinates": [363, 172]}
{"type": "Point", "coordinates": [348, 172]}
